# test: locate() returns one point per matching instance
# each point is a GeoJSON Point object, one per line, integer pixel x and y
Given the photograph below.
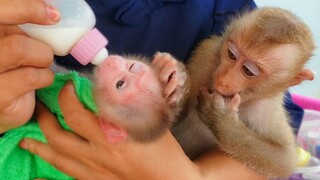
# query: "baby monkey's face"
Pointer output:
{"type": "Point", "coordinates": [123, 79]}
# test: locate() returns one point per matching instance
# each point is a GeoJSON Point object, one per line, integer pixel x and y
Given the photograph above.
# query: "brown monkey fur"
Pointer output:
{"type": "Point", "coordinates": [242, 112]}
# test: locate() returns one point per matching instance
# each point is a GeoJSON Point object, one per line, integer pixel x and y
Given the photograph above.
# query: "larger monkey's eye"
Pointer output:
{"type": "Point", "coordinates": [120, 84]}
{"type": "Point", "coordinates": [250, 69]}
{"type": "Point", "coordinates": [231, 55]}
{"type": "Point", "coordinates": [233, 52]}
{"type": "Point", "coordinates": [247, 71]}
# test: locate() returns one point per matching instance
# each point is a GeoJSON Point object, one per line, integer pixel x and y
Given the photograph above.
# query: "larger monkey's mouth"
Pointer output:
{"type": "Point", "coordinates": [228, 96]}
{"type": "Point", "coordinates": [224, 95]}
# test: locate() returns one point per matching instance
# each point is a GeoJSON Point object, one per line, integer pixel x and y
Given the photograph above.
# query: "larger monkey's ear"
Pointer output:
{"type": "Point", "coordinates": [304, 74]}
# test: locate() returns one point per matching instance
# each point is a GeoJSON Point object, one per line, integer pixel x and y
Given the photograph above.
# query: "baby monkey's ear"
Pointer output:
{"type": "Point", "coordinates": [113, 133]}
{"type": "Point", "coordinates": [304, 74]}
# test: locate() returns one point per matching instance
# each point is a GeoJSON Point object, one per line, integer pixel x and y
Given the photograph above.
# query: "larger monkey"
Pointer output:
{"type": "Point", "coordinates": [245, 74]}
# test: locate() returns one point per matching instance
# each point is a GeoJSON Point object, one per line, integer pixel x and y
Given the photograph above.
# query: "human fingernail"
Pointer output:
{"type": "Point", "coordinates": [23, 144]}
{"type": "Point", "coordinates": [53, 13]}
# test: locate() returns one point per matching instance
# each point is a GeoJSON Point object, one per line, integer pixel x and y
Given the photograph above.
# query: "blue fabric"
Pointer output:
{"type": "Point", "coordinates": [147, 26]}
{"type": "Point", "coordinates": [174, 26]}
{"type": "Point", "coordinates": [295, 112]}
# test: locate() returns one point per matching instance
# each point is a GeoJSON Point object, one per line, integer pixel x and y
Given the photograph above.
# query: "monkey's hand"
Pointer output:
{"type": "Point", "coordinates": [214, 101]}
{"type": "Point", "coordinates": [173, 75]}
{"type": "Point", "coordinates": [231, 103]}
{"type": "Point", "coordinates": [214, 108]}
{"type": "Point", "coordinates": [272, 154]}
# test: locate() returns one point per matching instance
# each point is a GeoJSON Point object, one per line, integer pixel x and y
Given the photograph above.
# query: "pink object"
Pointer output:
{"type": "Point", "coordinates": [89, 46]}
{"type": "Point", "coordinates": [306, 102]}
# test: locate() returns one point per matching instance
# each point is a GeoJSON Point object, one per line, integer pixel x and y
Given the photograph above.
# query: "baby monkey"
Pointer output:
{"type": "Point", "coordinates": [242, 77]}
{"type": "Point", "coordinates": [138, 96]}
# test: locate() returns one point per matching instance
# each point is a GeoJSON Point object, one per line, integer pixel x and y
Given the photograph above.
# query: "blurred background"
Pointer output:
{"type": "Point", "coordinates": [308, 11]}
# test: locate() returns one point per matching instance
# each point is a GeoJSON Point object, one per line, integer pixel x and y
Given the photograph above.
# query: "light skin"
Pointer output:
{"type": "Point", "coordinates": [24, 67]}
{"type": "Point", "coordinates": [24, 61]}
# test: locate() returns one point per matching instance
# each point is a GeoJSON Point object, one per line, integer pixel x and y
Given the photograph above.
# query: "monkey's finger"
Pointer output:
{"type": "Point", "coordinates": [80, 120]}
{"type": "Point", "coordinates": [61, 162]}
{"type": "Point", "coordinates": [168, 72]}
{"type": "Point", "coordinates": [160, 60]}
{"type": "Point", "coordinates": [235, 102]}
{"type": "Point", "coordinates": [218, 99]}
{"type": "Point", "coordinates": [206, 100]}
{"type": "Point", "coordinates": [18, 82]}
{"type": "Point", "coordinates": [167, 66]}
{"type": "Point", "coordinates": [157, 58]}
{"type": "Point", "coordinates": [171, 87]}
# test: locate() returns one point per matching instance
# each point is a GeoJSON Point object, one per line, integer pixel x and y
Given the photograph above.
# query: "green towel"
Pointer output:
{"type": "Point", "coordinates": [19, 164]}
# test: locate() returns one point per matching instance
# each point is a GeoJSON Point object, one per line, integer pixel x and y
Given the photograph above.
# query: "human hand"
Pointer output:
{"type": "Point", "coordinates": [88, 153]}
{"type": "Point", "coordinates": [24, 61]}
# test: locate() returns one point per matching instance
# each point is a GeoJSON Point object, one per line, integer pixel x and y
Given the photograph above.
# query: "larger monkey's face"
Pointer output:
{"type": "Point", "coordinates": [245, 69]}
{"type": "Point", "coordinates": [123, 79]}
{"type": "Point", "coordinates": [236, 71]}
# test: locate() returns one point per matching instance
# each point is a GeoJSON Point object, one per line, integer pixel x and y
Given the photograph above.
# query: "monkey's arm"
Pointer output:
{"type": "Point", "coordinates": [271, 153]}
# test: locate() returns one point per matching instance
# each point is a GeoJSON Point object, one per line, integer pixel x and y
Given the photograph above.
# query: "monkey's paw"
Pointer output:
{"type": "Point", "coordinates": [233, 102]}
{"type": "Point", "coordinates": [172, 74]}
{"type": "Point", "coordinates": [215, 110]}
{"type": "Point", "coordinates": [216, 104]}
{"type": "Point", "coordinates": [208, 101]}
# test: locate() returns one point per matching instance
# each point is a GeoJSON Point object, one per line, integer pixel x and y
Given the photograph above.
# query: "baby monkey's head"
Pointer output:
{"type": "Point", "coordinates": [129, 94]}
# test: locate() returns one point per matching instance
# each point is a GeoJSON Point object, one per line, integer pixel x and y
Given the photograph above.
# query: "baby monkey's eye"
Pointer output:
{"type": "Point", "coordinates": [120, 84]}
{"type": "Point", "coordinates": [136, 68]}
{"type": "Point", "coordinates": [131, 67]}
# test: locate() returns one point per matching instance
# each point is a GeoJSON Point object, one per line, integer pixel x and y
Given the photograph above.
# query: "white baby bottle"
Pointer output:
{"type": "Point", "coordinates": [74, 33]}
